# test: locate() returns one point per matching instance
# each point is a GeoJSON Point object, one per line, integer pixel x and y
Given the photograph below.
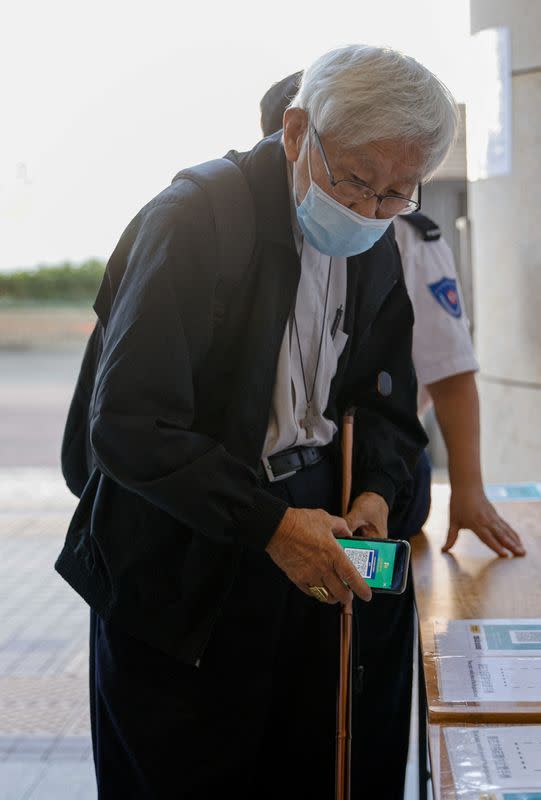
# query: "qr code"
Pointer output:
{"type": "Point", "coordinates": [364, 560]}
{"type": "Point", "coordinates": [526, 637]}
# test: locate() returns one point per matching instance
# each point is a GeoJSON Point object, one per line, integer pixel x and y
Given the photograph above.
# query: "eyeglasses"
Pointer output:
{"type": "Point", "coordinates": [355, 191]}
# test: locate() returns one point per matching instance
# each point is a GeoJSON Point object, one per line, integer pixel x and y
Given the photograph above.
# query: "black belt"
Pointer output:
{"type": "Point", "coordinates": [286, 463]}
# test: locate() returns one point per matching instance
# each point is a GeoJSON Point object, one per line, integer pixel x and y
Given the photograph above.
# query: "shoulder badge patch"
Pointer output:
{"type": "Point", "coordinates": [446, 294]}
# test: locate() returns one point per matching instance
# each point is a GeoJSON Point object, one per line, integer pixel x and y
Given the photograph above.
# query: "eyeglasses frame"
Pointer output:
{"type": "Point", "coordinates": [362, 184]}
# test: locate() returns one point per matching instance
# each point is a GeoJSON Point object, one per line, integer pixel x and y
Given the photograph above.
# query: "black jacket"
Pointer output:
{"type": "Point", "coordinates": [178, 410]}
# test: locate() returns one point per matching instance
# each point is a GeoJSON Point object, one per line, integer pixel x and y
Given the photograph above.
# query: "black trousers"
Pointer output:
{"type": "Point", "coordinates": [383, 667]}
{"type": "Point", "coordinates": [257, 719]}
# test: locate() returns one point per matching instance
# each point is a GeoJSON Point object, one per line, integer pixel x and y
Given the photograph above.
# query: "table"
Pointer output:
{"type": "Point", "coordinates": [470, 582]}
{"type": "Point", "coordinates": [443, 782]}
{"type": "Point", "coordinates": [440, 767]}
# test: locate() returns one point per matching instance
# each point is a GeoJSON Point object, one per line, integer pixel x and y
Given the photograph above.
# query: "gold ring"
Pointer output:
{"type": "Point", "coordinates": [319, 592]}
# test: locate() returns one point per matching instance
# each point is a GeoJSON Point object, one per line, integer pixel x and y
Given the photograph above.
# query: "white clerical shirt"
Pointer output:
{"type": "Point", "coordinates": [289, 402]}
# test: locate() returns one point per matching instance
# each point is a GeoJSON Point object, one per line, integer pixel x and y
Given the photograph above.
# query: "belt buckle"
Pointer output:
{"type": "Point", "coordinates": [271, 477]}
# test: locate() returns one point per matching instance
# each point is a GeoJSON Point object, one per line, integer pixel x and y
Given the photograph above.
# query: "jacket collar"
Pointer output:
{"type": "Point", "coordinates": [370, 276]}
{"type": "Point", "coordinates": [265, 169]}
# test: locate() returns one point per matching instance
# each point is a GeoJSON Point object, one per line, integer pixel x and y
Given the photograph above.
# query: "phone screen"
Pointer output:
{"type": "Point", "coordinates": [374, 560]}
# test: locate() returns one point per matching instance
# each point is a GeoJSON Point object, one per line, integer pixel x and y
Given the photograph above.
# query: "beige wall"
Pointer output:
{"type": "Point", "coordinates": [505, 213]}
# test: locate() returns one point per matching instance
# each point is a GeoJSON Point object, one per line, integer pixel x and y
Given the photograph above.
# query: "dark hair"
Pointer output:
{"type": "Point", "coordinates": [275, 101]}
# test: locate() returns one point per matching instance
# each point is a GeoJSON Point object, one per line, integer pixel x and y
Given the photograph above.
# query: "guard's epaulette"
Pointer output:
{"type": "Point", "coordinates": [427, 227]}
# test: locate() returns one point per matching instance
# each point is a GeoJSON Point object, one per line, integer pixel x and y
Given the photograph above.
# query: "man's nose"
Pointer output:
{"type": "Point", "coordinates": [368, 208]}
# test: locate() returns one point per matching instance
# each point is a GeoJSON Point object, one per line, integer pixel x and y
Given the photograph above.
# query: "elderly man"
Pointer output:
{"type": "Point", "coordinates": [444, 362]}
{"type": "Point", "coordinates": [443, 357]}
{"type": "Point", "coordinates": [209, 477]}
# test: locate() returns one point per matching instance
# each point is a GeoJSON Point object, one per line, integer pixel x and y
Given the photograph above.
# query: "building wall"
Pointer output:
{"type": "Point", "coordinates": [505, 215]}
{"type": "Point", "coordinates": [444, 201]}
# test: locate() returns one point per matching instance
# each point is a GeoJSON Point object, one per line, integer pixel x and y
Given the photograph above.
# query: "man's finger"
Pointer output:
{"type": "Point", "coordinates": [486, 536]}
{"type": "Point", "coordinates": [340, 527]}
{"type": "Point", "coordinates": [452, 536]}
{"type": "Point", "coordinates": [369, 530]}
{"type": "Point", "coordinates": [346, 571]}
{"type": "Point", "coordinates": [355, 520]}
{"type": "Point", "coordinates": [513, 535]}
{"type": "Point", "coordinates": [509, 530]}
{"type": "Point", "coordinates": [376, 527]}
{"type": "Point", "coordinates": [336, 587]}
{"type": "Point", "coordinates": [508, 541]}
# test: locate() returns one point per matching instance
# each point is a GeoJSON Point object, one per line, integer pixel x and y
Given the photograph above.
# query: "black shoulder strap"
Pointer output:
{"type": "Point", "coordinates": [429, 230]}
{"type": "Point", "coordinates": [233, 209]}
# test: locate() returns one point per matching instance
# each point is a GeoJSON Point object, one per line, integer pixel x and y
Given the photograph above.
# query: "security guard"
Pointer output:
{"type": "Point", "coordinates": [445, 364]}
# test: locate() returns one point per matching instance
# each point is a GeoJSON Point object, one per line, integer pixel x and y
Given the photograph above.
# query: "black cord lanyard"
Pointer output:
{"type": "Point", "coordinates": [306, 423]}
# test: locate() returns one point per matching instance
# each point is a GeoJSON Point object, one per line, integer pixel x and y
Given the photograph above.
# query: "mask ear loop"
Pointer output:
{"type": "Point", "coordinates": [309, 148]}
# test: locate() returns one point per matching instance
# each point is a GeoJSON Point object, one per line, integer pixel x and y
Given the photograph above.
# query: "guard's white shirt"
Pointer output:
{"type": "Point", "coordinates": [442, 344]}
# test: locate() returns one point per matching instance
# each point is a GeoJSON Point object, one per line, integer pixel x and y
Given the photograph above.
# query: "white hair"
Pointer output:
{"type": "Point", "coordinates": [360, 94]}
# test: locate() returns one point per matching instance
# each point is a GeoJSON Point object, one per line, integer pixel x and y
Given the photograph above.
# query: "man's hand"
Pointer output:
{"type": "Point", "coordinates": [470, 508]}
{"type": "Point", "coordinates": [369, 511]}
{"type": "Point", "coordinates": [305, 548]}
{"type": "Point", "coordinates": [457, 408]}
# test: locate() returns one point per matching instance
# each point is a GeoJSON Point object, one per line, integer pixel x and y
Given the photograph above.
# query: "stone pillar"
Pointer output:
{"type": "Point", "coordinates": [505, 215]}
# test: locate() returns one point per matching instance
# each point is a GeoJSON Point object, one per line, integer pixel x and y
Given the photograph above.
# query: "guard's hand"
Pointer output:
{"type": "Point", "coordinates": [369, 512]}
{"type": "Point", "coordinates": [470, 508]}
{"type": "Point", "coordinates": [305, 548]}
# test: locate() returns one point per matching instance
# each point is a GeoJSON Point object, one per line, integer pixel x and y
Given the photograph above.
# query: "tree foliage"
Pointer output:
{"type": "Point", "coordinates": [64, 282]}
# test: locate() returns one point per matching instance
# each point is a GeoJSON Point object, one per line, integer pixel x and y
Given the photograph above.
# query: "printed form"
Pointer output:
{"type": "Point", "coordinates": [496, 763]}
{"type": "Point", "coordinates": [489, 659]}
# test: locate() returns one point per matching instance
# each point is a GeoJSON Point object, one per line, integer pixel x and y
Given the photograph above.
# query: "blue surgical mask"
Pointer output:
{"type": "Point", "coordinates": [334, 229]}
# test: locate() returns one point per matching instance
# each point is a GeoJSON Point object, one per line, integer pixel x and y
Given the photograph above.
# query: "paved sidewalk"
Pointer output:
{"type": "Point", "coordinates": [45, 750]}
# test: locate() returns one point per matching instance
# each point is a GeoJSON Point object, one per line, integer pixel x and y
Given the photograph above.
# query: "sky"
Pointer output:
{"type": "Point", "coordinates": [104, 102]}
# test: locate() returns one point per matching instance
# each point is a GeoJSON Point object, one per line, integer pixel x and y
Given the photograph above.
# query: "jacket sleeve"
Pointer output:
{"type": "Point", "coordinates": [76, 455]}
{"type": "Point", "coordinates": [143, 407]}
{"type": "Point", "coordinates": [388, 437]}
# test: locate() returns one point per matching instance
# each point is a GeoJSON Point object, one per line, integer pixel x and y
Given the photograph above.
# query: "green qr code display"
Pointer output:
{"type": "Point", "coordinates": [374, 560]}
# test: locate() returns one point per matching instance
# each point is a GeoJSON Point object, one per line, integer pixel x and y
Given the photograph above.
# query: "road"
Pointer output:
{"type": "Point", "coordinates": [35, 392]}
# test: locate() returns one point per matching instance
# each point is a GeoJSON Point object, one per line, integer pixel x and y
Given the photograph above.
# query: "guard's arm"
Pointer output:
{"type": "Point", "coordinates": [456, 403]}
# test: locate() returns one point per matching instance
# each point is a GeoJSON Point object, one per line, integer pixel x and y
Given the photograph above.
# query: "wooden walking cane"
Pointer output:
{"type": "Point", "coordinates": [343, 710]}
{"type": "Point", "coordinates": [384, 388]}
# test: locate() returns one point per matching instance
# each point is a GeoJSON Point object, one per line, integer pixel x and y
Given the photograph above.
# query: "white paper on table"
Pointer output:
{"type": "Point", "coordinates": [497, 679]}
{"type": "Point", "coordinates": [495, 758]}
{"type": "Point", "coordinates": [512, 637]}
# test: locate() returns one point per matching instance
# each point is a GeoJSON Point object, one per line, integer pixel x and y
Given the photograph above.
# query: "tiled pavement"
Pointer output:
{"type": "Point", "coordinates": [45, 751]}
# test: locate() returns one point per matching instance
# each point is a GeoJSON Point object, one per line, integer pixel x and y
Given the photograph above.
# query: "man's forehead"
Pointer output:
{"type": "Point", "coordinates": [403, 159]}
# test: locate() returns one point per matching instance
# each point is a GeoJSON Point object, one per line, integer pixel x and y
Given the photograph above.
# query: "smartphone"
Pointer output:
{"type": "Point", "coordinates": [383, 563]}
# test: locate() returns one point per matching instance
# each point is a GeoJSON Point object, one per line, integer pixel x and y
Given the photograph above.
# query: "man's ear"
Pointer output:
{"type": "Point", "coordinates": [295, 126]}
